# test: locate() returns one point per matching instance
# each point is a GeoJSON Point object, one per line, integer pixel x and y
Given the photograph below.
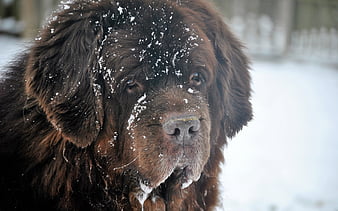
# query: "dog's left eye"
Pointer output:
{"type": "Point", "coordinates": [196, 79]}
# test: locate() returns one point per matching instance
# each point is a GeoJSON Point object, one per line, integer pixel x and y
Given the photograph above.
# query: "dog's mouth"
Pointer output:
{"type": "Point", "coordinates": [181, 174]}
{"type": "Point", "coordinates": [180, 178]}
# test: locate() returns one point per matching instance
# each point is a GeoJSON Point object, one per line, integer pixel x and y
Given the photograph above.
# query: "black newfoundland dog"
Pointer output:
{"type": "Point", "coordinates": [122, 105]}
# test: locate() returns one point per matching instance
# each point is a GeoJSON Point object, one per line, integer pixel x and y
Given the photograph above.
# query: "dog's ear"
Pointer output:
{"type": "Point", "coordinates": [63, 73]}
{"type": "Point", "coordinates": [231, 92]}
{"type": "Point", "coordinates": [233, 83]}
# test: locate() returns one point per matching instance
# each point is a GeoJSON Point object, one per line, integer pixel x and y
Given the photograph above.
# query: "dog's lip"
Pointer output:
{"type": "Point", "coordinates": [184, 175]}
{"type": "Point", "coordinates": [164, 179]}
{"type": "Point", "coordinates": [188, 177]}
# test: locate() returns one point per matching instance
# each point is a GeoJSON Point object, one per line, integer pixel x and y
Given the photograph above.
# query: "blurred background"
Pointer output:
{"type": "Point", "coordinates": [286, 159]}
{"type": "Point", "coordinates": [273, 28]}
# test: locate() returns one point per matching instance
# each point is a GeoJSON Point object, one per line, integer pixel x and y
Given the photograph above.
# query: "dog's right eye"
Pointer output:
{"type": "Point", "coordinates": [131, 85]}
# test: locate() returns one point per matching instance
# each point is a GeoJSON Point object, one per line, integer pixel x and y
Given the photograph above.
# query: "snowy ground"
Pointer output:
{"type": "Point", "coordinates": [9, 47]}
{"type": "Point", "coordinates": [287, 157]}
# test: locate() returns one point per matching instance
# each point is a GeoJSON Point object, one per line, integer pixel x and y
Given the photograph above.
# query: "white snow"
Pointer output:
{"type": "Point", "coordinates": [138, 108]}
{"type": "Point", "coordinates": [142, 98]}
{"type": "Point", "coordinates": [186, 184]}
{"type": "Point", "coordinates": [9, 48]}
{"type": "Point", "coordinates": [120, 9]}
{"type": "Point", "coordinates": [143, 194]}
{"type": "Point", "coordinates": [66, 7]}
{"type": "Point", "coordinates": [145, 188]}
{"type": "Point", "coordinates": [174, 59]}
{"type": "Point", "coordinates": [287, 157]}
{"type": "Point", "coordinates": [191, 91]}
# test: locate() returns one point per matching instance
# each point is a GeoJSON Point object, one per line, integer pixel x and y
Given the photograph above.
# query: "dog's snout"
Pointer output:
{"type": "Point", "coordinates": [183, 128]}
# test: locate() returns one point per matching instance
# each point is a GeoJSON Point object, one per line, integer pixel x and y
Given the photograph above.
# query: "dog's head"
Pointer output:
{"type": "Point", "coordinates": [154, 86]}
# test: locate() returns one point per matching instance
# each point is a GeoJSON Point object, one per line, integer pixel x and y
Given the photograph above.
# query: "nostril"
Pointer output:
{"type": "Point", "coordinates": [177, 132]}
{"type": "Point", "coordinates": [192, 130]}
{"type": "Point", "coordinates": [195, 126]}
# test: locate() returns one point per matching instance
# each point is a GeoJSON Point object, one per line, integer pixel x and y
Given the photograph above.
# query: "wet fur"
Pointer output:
{"type": "Point", "coordinates": [63, 117]}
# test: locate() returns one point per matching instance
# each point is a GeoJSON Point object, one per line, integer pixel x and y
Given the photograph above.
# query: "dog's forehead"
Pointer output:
{"type": "Point", "coordinates": [152, 40]}
{"type": "Point", "coordinates": [162, 45]}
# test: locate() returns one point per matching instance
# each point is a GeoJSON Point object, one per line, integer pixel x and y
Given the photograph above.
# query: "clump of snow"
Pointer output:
{"type": "Point", "coordinates": [186, 184]}
{"type": "Point", "coordinates": [120, 9]}
{"type": "Point", "coordinates": [115, 136]}
{"type": "Point", "coordinates": [65, 7]}
{"type": "Point", "coordinates": [143, 194]}
{"type": "Point", "coordinates": [138, 108]}
{"type": "Point", "coordinates": [174, 59]}
{"type": "Point", "coordinates": [192, 91]}
{"type": "Point", "coordinates": [65, 4]}
{"type": "Point", "coordinates": [97, 90]}
{"type": "Point", "coordinates": [145, 188]}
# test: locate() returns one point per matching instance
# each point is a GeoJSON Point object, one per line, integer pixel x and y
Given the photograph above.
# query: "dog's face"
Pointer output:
{"type": "Point", "coordinates": [159, 81]}
{"type": "Point", "coordinates": [154, 87]}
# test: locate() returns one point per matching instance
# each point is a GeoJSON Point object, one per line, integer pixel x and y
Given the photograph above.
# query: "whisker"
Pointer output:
{"type": "Point", "coordinates": [126, 165]}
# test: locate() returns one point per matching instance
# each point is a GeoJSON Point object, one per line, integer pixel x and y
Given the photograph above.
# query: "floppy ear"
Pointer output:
{"type": "Point", "coordinates": [63, 74]}
{"type": "Point", "coordinates": [233, 82]}
{"type": "Point", "coordinates": [231, 93]}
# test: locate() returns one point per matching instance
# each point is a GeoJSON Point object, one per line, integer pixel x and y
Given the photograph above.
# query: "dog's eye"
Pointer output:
{"type": "Point", "coordinates": [196, 79]}
{"type": "Point", "coordinates": [131, 85]}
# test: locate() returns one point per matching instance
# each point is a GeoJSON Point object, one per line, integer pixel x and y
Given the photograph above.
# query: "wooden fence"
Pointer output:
{"type": "Point", "coordinates": [302, 29]}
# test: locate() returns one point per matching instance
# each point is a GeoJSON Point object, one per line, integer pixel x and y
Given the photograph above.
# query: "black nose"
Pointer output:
{"type": "Point", "coordinates": [183, 128]}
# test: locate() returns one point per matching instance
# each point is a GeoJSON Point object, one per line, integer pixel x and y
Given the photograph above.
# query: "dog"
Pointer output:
{"type": "Point", "coordinates": [122, 105]}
